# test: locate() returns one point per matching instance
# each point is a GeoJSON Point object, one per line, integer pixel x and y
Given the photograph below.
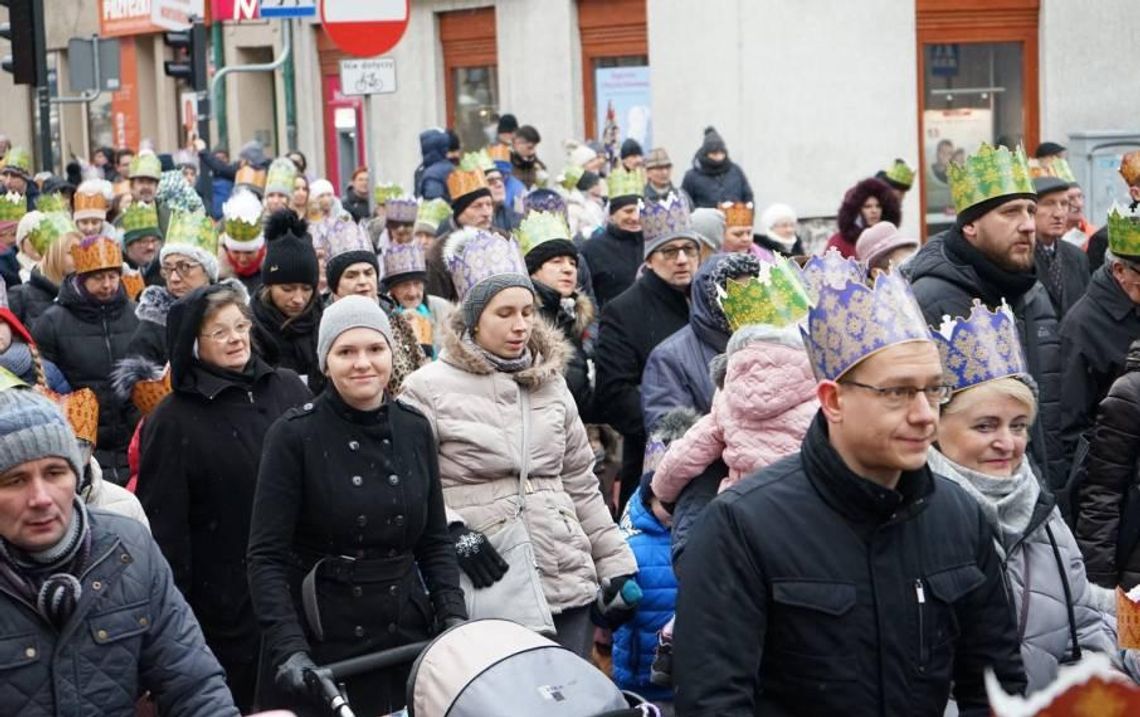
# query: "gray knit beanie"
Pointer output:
{"type": "Point", "coordinates": [31, 428]}
{"type": "Point", "coordinates": [350, 312]}
{"type": "Point", "coordinates": [481, 294]}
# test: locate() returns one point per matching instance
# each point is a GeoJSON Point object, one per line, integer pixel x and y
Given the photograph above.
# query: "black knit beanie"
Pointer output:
{"type": "Point", "coordinates": [713, 142]}
{"type": "Point", "coordinates": [289, 254]}
{"type": "Point", "coordinates": [587, 181]}
{"type": "Point", "coordinates": [337, 265]}
{"type": "Point", "coordinates": [630, 148]}
{"type": "Point", "coordinates": [548, 250]}
{"type": "Point", "coordinates": [460, 203]}
{"type": "Point", "coordinates": [621, 202]}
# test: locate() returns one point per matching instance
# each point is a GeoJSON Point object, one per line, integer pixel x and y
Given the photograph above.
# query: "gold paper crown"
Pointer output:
{"type": "Point", "coordinates": [192, 229]}
{"type": "Point", "coordinates": [282, 174]}
{"type": "Point", "coordinates": [539, 227]}
{"type": "Point", "coordinates": [901, 174]}
{"type": "Point", "coordinates": [776, 297]}
{"type": "Point", "coordinates": [52, 202]}
{"type": "Point", "coordinates": [1123, 232]}
{"type": "Point", "coordinates": [48, 229]}
{"type": "Point", "coordinates": [250, 176]}
{"type": "Point", "coordinates": [1130, 168]}
{"type": "Point", "coordinates": [145, 164]}
{"type": "Point", "coordinates": [96, 253]}
{"type": "Point", "coordinates": [147, 394]}
{"type": "Point", "coordinates": [81, 408]}
{"type": "Point", "coordinates": [13, 207]}
{"type": "Point", "coordinates": [133, 284]}
{"type": "Point", "coordinates": [987, 174]}
{"type": "Point", "coordinates": [737, 214]}
{"type": "Point", "coordinates": [387, 190]}
{"type": "Point", "coordinates": [1092, 687]}
{"type": "Point", "coordinates": [462, 182]}
{"type": "Point", "coordinates": [499, 152]}
{"type": "Point", "coordinates": [90, 203]}
{"type": "Point", "coordinates": [624, 183]}
{"type": "Point", "coordinates": [433, 212]}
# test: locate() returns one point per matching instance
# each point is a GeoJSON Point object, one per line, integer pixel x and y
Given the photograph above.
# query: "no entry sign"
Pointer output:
{"type": "Point", "coordinates": [365, 29]}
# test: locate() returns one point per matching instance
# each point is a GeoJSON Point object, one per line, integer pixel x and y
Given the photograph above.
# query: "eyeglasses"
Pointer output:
{"type": "Point", "coordinates": [239, 330]}
{"type": "Point", "coordinates": [899, 396]}
{"type": "Point", "coordinates": [182, 268]}
{"type": "Point", "coordinates": [674, 251]}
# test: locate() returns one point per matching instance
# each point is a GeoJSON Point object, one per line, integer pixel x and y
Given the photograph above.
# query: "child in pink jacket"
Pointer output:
{"type": "Point", "coordinates": [759, 415]}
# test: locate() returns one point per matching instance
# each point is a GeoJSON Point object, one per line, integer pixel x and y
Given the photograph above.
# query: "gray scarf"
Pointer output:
{"type": "Point", "coordinates": [498, 362]}
{"type": "Point", "coordinates": [1007, 503]}
{"type": "Point", "coordinates": [18, 359]}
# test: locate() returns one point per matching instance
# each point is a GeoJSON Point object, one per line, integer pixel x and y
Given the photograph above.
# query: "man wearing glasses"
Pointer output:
{"type": "Point", "coordinates": [847, 578]}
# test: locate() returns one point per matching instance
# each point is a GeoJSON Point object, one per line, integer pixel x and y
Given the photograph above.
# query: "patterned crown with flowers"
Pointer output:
{"type": "Point", "coordinates": [624, 183]}
{"type": "Point", "coordinates": [570, 176]}
{"type": "Point", "coordinates": [52, 202]}
{"type": "Point", "coordinates": [192, 229]}
{"type": "Point", "coordinates": [1062, 170]}
{"type": "Point", "coordinates": [469, 176]}
{"type": "Point", "coordinates": [737, 214]}
{"type": "Point", "coordinates": [987, 174]}
{"type": "Point", "coordinates": [776, 297]}
{"type": "Point", "coordinates": [538, 227]}
{"type": "Point", "coordinates": [282, 173]}
{"type": "Point", "coordinates": [81, 408]}
{"type": "Point", "coordinates": [544, 200]}
{"type": "Point", "coordinates": [345, 235]}
{"type": "Point", "coordinates": [1091, 687]}
{"type": "Point", "coordinates": [668, 217]}
{"type": "Point", "coordinates": [473, 255]}
{"type": "Point", "coordinates": [402, 259]}
{"type": "Point", "coordinates": [432, 213]}
{"type": "Point", "coordinates": [148, 393]}
{"type": "Point", "coordinates": [19, 160]}
{"type": "Point", "coordinates": [92, 199]}
{"type": "Point", "coordinates": [139, 220]}
{"type": "Point", "coordinates": [402, 210]}
{"type": "Point", "coordinates": [900, 173]}
{"type": "Point", "coordinates": [384, 191]}
{"type": "Point", "coordinates": [241, 217]}
{"type": "Point", "coordinates": [831, 269]}
{"type": "Point", "coordinates": [145, 164]}
{"type": "Point", "coordinates": [95, 254]}
{"type": "Point", "coordinates": [1123, 232]}
{"type": "Point", "coordinates": [48, 229]}
{"type": "Point", "coordinates": [847, 325]}
{"type": "Point", "coordinates": [13, 207]}
{"type": "Point", "coordinates": [982, 347]}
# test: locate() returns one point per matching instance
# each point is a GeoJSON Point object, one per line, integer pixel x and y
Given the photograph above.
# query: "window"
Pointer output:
{"type": "Point", "coordinates": [471, 80]}
{"type": "Point", "coordinates": [615, 66]}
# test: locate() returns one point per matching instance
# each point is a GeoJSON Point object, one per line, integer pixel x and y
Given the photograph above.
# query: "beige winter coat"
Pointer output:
{"type": "Point", "coordinates": [476, 415]}
{"type": "Point", "coordinates": [115, 498]}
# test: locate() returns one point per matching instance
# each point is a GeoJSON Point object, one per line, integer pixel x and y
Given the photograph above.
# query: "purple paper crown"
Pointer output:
{"type": "Point", "coordinates": [831, 269]}
{"type": "Point", "coordinates": [983, 347]}
{"type": "Point", "coordinates": [544, 200]}
{"type": "Point", "coordinates": [401, 209]}
{"type": "Point", "coordinates": [345, 235]}
{"type": "Point", "coordinates": [473, 255]}
{"type": "Point", "coordinates": [847, 325]}
{"type": "Point", "coordinates": [666, 218]}
{"type": "Point", "coordinates": [400, 259]}
{"type": "Point", "coordinates": [655, 450]}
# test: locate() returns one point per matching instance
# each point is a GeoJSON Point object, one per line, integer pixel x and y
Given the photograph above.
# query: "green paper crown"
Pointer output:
{"type": "Point", "coordinates": [387, 190]}
{"type": "Point", "coordinates": [145, 165]}
{"type": "Point", "coordinates": [13, 207]}
{"type": "Point", "coordinates": [433, 212]}
{"type": "Point", "coordinates": [539, 227]}
{"type": "Point", "coordinates": [623, 183]}
{"type": "Point", "coordinates": [19, 159]}
{"type": "Point", "coordinates": [192, 229]}
{"type": "Point", "coordinates": [282, 173]}
{"type": "Point", "coordinates": [477, 160]}
{"type": "Point", "coordinates": [901, 174]}
{"type": "Point", "coordinates": [987, 174]}
{"type": "Point", "coordinates": [50, 227]}
{"type": "Point", "coordinates": [1062, 170]}
{"type": "Point", "coordinates": [139, 219]}
{"type": "Point", "coordinates": [775, 297]}
{"type": "Point", "coordinates": [570, 176]}
{"type": "Point", "coordinates": [52, 202]}
{"type": "Point", "coordinates": [241, 231]}
{"type": "Point", "coordinates": [1123, 232]}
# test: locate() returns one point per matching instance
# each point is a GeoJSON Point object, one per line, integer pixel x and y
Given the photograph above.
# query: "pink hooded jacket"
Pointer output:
{"type": "Point", "coordinates": [760, 415]}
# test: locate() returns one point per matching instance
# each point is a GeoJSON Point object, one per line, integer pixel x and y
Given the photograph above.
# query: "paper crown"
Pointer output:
{"type": "Point", "coordinates": [1130, 168]}
{"type": "Point", "coordinates": [92, 199]}
{"type": "Point", "coordinates": [250, 176]}
{"type": "Point", "coordinates": [544, 200]}
{"type": "Point", "coordinates": [668, 217]}
{"type": "Point", "coordinates": [982, 347]}
{"type": "Point", "coordinates": [624, 183]}
{"type": "Point", "coordinates": [655, 450]}
{"type": "Point", "coordinates": [344, 235]}
{"type": "Point", "coordinates": [13, 207]}
{"type": "Point", "coordinates": [538, 227]}
{"type": "Point", "coordinates": [831, 269]}
{"type": "Point", "coordinates": [96, 253]}
{"type": "Point", "coordinates": [1062, 170]}
{"type": "Point", "coordinates": [1123, 232]}
{"type": "Point", "coordinates": [81, 408]}
{"type": "Point", "coordinates": [403, 259]}
{"type": "Point", "coordinates": [192, 229]}
{"type": "Point", "coordinates": [431, 214]}
{"type": "Point", "coordinates": [900, 174]}
{"type": "Point", "coordinates": [570, 176]}
{"type": "Point", "coordinates": [462, 182]}
{"type": "Point", "coordinates": [52, 202]}
{"type": "Point", "coordinates": [148, 393]}
{"type": "Point", "coordinates": [499, 152]}
{"type": "Point", "coordinates": [19, 160]}
{"type": "Point", "coordinates": [477, 160]}
{"type": "Point", "coordinates": [737, 214]}
{"type": "Point", "coordinates": [140, 219]}
{"type": "Point", "coordinates": [776, 297]}
{"type": "Point", "coordinates": [384, 191]}
{"type": "Point", "coordinates": [1091, 687]}
{"type": "Point", "coordinates": [473, 255]}
{"type": "Point", "coordinates": [241, 218]}
{"type": "Point", "coordinates": [282, 173]}
{"type": "Point", "coordinates": [133, 284]}
{"type": "Point", "coordinates": [145, 164]}
{"type": "Point", "coordinates": [847, 325]}
{"type": "Point", "coordinates": [989, 173]}
{"type": "Point", "coordinates": [48, 229]}
{"type": "Point", "coordinates": [402, 210]}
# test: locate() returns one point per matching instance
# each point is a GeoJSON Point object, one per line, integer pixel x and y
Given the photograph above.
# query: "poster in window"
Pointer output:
{"type": "Point", "coordinates": [624, 106]}
{"type": "Point", "coordinates": [950, 135]}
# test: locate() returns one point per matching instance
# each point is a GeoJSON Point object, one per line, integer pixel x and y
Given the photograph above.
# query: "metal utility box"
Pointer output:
{"type": "Point", "coordinates": [1095, 159]}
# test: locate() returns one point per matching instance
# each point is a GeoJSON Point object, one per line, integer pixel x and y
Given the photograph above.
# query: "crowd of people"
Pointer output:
{"type": "Point", "coordinates": [254, 429]}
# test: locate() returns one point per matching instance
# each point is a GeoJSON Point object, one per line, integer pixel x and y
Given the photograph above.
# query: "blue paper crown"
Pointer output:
{"type": "Point", "coordinates": [545, 200]}
{"type": "Point", "coordinates": [833, 270]}
{"type": "Point", "coordinates": [666, 218]}
{"type": "Point", "coordinates": [847, 325]}
{"type": "Point", "coordinates": [983, 347]}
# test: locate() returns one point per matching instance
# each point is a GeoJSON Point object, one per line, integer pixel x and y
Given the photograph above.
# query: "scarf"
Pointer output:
{"type": "Point", "coordinates": [1007, 503]}
{"type": "Point", "coordinates": [996, 283]}
{"type": "Point", "coordinates": [498, 362]}
{"type": "Point", "coordinates": [254, 268]}
{"type": "Point", "coordinates": [48, 578]}
{"type": "Point", "coordinates": [18, 359]}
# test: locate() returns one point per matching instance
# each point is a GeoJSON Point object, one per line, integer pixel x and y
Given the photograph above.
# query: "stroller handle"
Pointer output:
{"type": "Point", "coordinates": [374, 661]}
{"type": "Point", "coordinates": [321, 684]}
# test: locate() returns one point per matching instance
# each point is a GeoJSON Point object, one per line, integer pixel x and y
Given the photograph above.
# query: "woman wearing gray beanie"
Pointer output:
{"type": "Point", "coordinates": [512, 449]}
{"type": "Point", "coordinates": [349, 516]}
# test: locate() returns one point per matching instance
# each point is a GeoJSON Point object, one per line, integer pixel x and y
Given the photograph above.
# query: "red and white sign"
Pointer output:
{"type": "Point", "coordinates": [235, 10]}
{"type": "Point", "coordinates": [365, 29]}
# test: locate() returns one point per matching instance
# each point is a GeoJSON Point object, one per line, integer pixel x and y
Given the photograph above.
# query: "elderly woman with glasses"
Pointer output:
{"type": "Point", "coordinates": [201, 450]}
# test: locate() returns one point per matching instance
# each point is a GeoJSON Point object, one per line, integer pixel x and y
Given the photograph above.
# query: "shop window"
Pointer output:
{"type": "Point", "coordinates": [615, 70]}
{"type": "Point", "coordinates": [471, 79]}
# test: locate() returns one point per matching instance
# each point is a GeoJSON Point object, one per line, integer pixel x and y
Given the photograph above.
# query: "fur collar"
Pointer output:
{"type": "Point", "coordinates": [584, 308]}
{"type": "Point", "coordinates": [549, 347]}
{"type": "Point", "coordinates": [154, 304]}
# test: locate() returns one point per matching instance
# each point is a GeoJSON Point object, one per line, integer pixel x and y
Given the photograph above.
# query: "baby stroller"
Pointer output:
{"type": "Point", "coordinates": [491, 668]}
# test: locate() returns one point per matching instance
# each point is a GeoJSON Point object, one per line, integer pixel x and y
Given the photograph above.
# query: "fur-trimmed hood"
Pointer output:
{"type": "Point", "coordinates": [154, 304]}
{"type": "Point", "coordinates": [850, 217]}
{"type": "Point", "coordinates": [549, 348]}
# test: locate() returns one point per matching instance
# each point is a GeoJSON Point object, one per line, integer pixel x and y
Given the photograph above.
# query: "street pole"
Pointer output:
{"type": "Point", "coordinates": [43, 91]}
{"type": "Point", "coordinates": [288, 79]}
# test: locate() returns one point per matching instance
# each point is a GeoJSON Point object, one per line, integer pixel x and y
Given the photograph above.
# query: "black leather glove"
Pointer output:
{"type": "Point", "coordinates": [291, 673]}
{"type": "Point", "coordinates": [477, 557]}
{"type": "Point", "coordinates": [616, 603]}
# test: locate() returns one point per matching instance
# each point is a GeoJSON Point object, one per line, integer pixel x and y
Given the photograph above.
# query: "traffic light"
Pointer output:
{"type": "Point", "coordinates": [19, 32]}
{"type": "Point", "coordinates": [190, 53]}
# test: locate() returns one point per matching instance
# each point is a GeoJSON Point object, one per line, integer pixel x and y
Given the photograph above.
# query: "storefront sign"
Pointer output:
{"type": "Point", "coordinates": [118, 18]}
{"type": "Point", "coordinates": [368, 77]}
{"type": "Point", "coordinates": [235, 10]}
{"type": "Point", "coordinates": [624, 105]}
{"type": "Point", "coordinates": [125, 102]}
{"type": "Point", "coordinates": [288, 8]}
{"type": "Point", "coordinates": [943, 60]}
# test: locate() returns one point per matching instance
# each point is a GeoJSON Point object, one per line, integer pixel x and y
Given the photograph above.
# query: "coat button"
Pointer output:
{"type": "Point", "coordinates": [358, 631]}
{"type": "Point", "coordinates": [307, 407]}
{"type": "Point", "coordinates": [143, 622]}
{"type": "Point", "coordinates": [362, 520]}
{"type": "Point", "coordinates": [357, 591]}
{"type": "Point", "coordinates": [96, 585]}
{"type": "Point", "coordinates": [357, 481]}
{"type": "Point", "coordinates": [393, 479]}
{"type": "Point", "coordinates": [386, 442]}
{"type": "Point", "coordinates": [102, 635]}
{"type": "Point", "coordinates": [124, 558]}
{"type": "Point", "coordinates": [30, 653]}
{"type": "Point", "coordinates": [399, 520]}
{"type": "Point", "coordinates": [354, 445]}
{"type": "Point", "coordinates": [394, 590]}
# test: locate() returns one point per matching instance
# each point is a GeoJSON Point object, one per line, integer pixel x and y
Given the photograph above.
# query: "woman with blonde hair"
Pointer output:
{"type": "Point", "coordinates": [32, 298]}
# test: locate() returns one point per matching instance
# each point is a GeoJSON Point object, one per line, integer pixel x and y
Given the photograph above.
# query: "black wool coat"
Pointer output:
{"type": "Point", "coordinates": [1074, 277]}
{"type": "Point", "coordinates": [292, 346]}
{"type": "Point", "coordinates": [31, 299]}
{"type": "Point", "coordinates": [613, 257]}
{"type": "Point", "coordinates": [573, 327]}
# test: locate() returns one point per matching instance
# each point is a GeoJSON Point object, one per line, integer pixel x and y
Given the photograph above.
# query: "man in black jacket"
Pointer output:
{"type": "Point", "coordinates": [614, 255]}
{"type": "Point", "coordinates": [1062, 267]}
{"type": "Point", "coordinates": [847, 578]}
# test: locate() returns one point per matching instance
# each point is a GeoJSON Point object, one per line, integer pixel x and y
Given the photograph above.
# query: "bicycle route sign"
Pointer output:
{"type": "Point", "coordinates": [375, 76]}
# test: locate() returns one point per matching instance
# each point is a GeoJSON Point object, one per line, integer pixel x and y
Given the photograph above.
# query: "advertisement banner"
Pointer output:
{"type": "Point", "coordinates": [125, 102]}
{"type": "Point", "coordinates": [624, 106]}
{"type": "Point", "coordinates": [949, 136]}
{"type": "Point", "coordinates": [120, 18]}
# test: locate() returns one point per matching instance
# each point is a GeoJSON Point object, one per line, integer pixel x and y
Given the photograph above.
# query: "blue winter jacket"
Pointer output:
{"type": "Point", "coordinates": [635, 641]}
{"type": "Point", "coordinates": [431, 180]}
{"type": "Point", "coordinates": [677, 372]}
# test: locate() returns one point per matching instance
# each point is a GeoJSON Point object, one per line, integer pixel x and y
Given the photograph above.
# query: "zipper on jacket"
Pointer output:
{"type": "Point", "coordinates": [920, 595]}
{"type": "Point", "coordinates": [250, 394]}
